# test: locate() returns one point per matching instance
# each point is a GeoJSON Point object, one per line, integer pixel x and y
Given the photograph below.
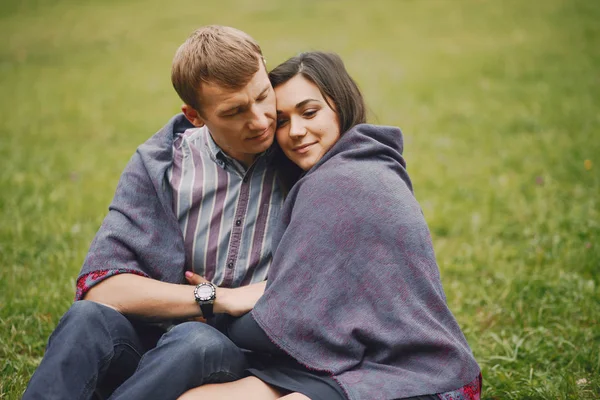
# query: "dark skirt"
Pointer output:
{"type": "Point", "coordinates": [271, 365]}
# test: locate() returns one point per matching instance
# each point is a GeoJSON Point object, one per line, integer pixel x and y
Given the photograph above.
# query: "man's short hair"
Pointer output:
{"type": "Point", "coordinates": [217, 54]}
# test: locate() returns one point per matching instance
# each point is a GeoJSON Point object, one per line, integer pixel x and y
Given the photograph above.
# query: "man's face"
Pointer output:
{"type": "Point", "coordinates": [242, 122]}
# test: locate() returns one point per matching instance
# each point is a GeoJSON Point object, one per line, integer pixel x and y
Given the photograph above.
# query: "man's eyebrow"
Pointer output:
{"type": "Point", "coordinates": [228, 110]}
{"type": "Point", "coordinates": [265, 90]}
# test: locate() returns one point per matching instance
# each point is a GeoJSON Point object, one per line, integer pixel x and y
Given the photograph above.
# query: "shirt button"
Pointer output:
{"type": "Point", "coordinates": [245, 179]}
{"type": "Point", "coordinates": [238, 222]}
{"type": "Point", "coordinates": [230, 265]}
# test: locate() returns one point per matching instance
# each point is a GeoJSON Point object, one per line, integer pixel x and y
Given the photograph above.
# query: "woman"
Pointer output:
{"type": "Point", "coordinates": [354, 307]}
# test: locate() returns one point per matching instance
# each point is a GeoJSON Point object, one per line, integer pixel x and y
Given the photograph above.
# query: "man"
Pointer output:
{"type": "Point", "coordinates": [200, 195]}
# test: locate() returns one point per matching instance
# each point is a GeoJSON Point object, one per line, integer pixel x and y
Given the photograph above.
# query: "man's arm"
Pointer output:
{"type": "Point", "coordinates": [148, 298]}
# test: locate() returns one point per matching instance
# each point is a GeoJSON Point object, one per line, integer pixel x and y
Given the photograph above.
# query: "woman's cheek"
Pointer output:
{"type": "Point", "coordinates": [283, 139]}
{"type": "Point", "coordinates": [280, 136]}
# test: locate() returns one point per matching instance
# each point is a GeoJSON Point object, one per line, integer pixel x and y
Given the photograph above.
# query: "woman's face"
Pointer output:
{"type": "Point", "coordinates": [306, 126]}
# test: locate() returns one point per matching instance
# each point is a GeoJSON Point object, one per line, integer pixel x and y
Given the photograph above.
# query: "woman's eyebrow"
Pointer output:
{"type": "Point", "coordinates": [303, 102]}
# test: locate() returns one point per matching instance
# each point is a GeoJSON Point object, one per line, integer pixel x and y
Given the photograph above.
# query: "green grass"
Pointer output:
{"type": "Point", "coordinates": [499, 103]}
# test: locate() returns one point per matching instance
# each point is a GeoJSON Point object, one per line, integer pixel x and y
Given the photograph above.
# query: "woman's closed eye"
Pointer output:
{"type": "Point", "coordinates": [282, 122]}
{"type": "Point", "coordinates": [309, 113]}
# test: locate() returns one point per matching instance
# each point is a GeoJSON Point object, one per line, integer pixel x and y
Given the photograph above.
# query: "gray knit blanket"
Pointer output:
{"type": "Point", "coordinates": [354, 289]}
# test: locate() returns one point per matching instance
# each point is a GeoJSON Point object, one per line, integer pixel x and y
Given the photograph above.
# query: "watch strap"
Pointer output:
{"type": "Point", "coordinates": [207, 310]}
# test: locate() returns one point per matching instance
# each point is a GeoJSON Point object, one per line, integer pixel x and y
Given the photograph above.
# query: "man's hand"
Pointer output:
{"type": "Point", "coordinates": [234, 302]}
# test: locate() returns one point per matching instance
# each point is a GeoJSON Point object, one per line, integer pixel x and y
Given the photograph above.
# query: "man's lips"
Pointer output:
{"type": "Point", "coordinates": [303, 148]}
{"type": "Point", "coordinates": [262, 136]}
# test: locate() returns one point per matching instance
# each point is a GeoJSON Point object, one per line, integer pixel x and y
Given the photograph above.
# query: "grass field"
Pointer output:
{"type": "Point", "coordinates": [499, 102]}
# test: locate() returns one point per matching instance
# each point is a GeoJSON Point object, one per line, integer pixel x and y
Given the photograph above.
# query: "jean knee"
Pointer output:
{"type": "Point", "coordinates": [196, 333]}
{"type": "Point", "coordinates": [84, 310]}
{"type": "Point", "coordinates": [89, 316]}
{"type": "Point", "coordinates": [197, 338]}
{"type": "Point", "coordinates": [86, 324]}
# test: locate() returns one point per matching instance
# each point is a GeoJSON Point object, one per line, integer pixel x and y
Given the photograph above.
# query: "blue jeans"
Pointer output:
{"type": "Point", "coordinates": [95, 350]}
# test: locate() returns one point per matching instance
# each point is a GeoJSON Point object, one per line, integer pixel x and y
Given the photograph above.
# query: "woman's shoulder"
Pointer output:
{"type": "Point", "coordinates": [367, 158]}
{"type": "Point", "coordinates": [373, 147]}
{"type": "Point", "coordinates": [365, 142]}
{"type": "Point", "coordinates": [382, 134]}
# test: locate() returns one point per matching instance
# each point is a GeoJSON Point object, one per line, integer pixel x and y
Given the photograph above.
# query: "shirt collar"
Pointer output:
{"type": "Point", "coordinates": [213, 148]}
{"type": "Point", "coordinates": [219, 155]}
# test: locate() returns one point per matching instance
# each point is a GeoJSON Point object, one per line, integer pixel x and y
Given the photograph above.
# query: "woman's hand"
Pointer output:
{"type": "Point", "coordinates": [194, 279]}
{"type": "Point", "coordinates": [235, 302]}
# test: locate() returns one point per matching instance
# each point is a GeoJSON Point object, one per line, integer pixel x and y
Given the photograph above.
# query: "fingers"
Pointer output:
{"type": "Point", "coordinates": [197, 319]}
{"type": "Point", "coordinates": [193, 278]}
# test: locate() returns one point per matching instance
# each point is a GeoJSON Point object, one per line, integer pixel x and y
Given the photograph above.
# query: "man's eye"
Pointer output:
{"type": "Point", "coordinates": [232, 113]}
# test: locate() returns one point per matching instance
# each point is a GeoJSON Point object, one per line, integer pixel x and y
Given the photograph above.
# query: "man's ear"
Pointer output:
{"type": "Point", "coordinates": [192, 115]}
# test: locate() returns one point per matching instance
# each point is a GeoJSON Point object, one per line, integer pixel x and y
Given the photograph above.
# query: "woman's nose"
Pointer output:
{"type": "Point", "coordinates": [297, 129]}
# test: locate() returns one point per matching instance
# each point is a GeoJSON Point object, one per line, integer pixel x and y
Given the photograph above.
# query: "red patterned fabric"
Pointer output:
{"type": "Point", "coordinates": [471, 391]}
{"type": "Point", "coordinates": [85, 282]}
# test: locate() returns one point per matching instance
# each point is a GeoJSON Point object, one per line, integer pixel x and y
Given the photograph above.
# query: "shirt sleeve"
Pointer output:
{"type": "Point", "coordinates": [87, 281]}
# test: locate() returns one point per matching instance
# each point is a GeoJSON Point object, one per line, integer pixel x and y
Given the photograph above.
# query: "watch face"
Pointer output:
{"type": "Point", "coordinates": [205, 292]}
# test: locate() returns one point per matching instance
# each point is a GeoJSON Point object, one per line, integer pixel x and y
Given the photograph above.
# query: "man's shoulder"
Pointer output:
{"type": "Point", "coordinates": [155, 154]}
{"type": "Point", "coordinates": [164, 137]}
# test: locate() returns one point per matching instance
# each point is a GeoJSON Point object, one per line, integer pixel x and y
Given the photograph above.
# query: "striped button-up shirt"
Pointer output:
{"type": "Point", "coordinates": [226, 211]}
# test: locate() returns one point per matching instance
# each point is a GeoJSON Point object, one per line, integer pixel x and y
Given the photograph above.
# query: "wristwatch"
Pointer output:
{"type": "Point", "coordinates": [205, 294]}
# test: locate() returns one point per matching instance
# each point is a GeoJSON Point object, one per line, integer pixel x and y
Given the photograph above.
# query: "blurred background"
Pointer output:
{"type": "Point", "coordinates": [499, 102]}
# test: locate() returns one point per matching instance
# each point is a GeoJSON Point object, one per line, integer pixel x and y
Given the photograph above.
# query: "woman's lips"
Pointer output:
{"type": "Point", "coordinates": [304, 148]}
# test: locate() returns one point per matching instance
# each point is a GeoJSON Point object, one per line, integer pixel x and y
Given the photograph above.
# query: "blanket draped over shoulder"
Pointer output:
{"type": "Point", "coordinates": [354, 289]}
{"type": "Point", "coordinates": [140, 234]}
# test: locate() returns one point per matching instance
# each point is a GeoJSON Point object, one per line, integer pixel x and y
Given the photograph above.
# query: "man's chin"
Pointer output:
{"type": "Point", "coordinates": [264, 145]}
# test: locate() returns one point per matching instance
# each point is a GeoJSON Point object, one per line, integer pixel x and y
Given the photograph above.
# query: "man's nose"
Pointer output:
{"type": "Point", "coordinates": [259, 121]}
